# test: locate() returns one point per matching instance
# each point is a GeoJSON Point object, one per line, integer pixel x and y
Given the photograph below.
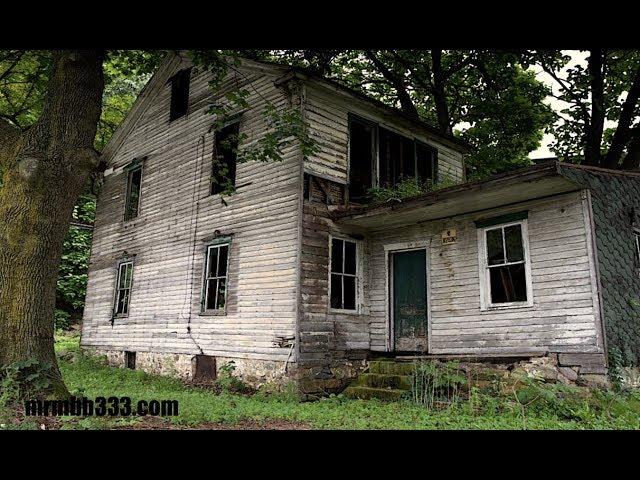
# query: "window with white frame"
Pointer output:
{"type": "Point", "coordinates": [123, 289]}
{"type": "Point", "coordinates": [343, 282]}
{"type": "Point", "coordinates": [506, 279]}
{"type": "Point", "coordinates": [214, 295]}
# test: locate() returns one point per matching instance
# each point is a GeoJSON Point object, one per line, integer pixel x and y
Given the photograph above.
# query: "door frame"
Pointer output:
{"type": "Point", "coordinates": [388, 284]}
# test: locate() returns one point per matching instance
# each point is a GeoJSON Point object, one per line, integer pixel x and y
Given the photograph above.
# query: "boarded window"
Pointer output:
{"type": "Point", "coordinates": [180, 94]}
{"type": "Point", "coordinates": [361, 158]}
{"type": "Point", "coordinates": [343, 281]}
{"type": "Point", "coordinates": [132, 202]}
{"type": "Point", "coordinates": [123, 289]}
{"type": "Point", "coordinates": [215, 287]}
{"type": "Point", "coordinates": [225, 151]}
{"type": "Point", "coordinates": [506, 264]}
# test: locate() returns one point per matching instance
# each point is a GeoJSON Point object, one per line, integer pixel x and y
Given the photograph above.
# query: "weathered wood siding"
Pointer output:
{"type": "Point", "coordinates": [327, 115]}
{"type": "Point", "coordinates": [177, 215]}
{"type": "Point", "coordinates": [565, 315]}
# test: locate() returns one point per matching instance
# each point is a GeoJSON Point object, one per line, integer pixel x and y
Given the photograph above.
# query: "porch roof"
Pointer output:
{"type": "Point", "coordinates": [537, 181]}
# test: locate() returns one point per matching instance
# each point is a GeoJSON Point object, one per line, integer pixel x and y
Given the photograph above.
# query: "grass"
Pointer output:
{"type": "Point", "coordinates": [197, 406]}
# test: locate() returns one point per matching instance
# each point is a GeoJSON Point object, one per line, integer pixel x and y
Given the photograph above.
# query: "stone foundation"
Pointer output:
{"type": "Point", "coordinates": [253, 372]}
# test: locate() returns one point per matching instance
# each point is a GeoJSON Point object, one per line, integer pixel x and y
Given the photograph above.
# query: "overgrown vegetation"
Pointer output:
{"type": "Point", "coordinates": [437, 384]}
{"type": "Point", "coordinates": [534, 405]}
{"type": "Point", "coordinates": [407, 188]}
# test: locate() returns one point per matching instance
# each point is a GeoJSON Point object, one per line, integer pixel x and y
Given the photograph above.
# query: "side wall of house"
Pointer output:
{"type": "Point", "coordinates": [327, 114]}
{"type": "Point", "coordinates": [616, 211]}
{"type": "Point", "coordinates": [177, 216]}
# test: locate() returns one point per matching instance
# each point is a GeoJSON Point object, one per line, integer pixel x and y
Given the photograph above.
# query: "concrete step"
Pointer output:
{"type": "Point", "coordinates": [390, 367]}
{"type": "Point", "coordinates": [380, 380]}
{"type": "Point", "coordinates": [366, 393]}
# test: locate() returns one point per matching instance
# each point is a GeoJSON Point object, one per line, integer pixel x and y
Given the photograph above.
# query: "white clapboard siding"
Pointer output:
{"type": "Point", "coordinates": [565, 312]}
{"type": "Point", "coordinates": [177, 215]}
{"type": "Point", "coordinates": [327, 116]}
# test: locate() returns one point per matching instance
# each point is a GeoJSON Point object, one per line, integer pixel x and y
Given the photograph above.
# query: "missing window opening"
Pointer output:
{"type": "Point", "coordinates": [130, 360]}
{"type": "Point", "coordinates": [180, 94]}
{"type": "Point", "coordinates": [224, 159]}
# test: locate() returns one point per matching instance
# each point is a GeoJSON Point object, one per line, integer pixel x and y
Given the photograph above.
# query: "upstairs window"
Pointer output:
{"type": "Point", "coordinates": [214, 299]}
{"type": "Point", "coordinates": [225, 151]}
{"type": "Point", "coordinates": [134, 182]}
{"type": "Point", "coordinates": [378, 156]}
{"type": "Point", "coordinates": [506, 279]}
{"type": "Point", "coordinates": [123, 289]}
{"type": "Point", "coordinates": [180, 94]}
{"type": "Point", "coordinates": [343, 275]}
{"type": "Point", "coordinates": [362, 157]}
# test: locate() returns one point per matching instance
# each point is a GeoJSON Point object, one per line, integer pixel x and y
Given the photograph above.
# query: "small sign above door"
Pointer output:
{"type": "Point", "coordinates": [449, 235]}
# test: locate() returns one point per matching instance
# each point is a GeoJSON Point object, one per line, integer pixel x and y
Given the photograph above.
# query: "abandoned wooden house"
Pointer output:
{"type": "Point", "coordinates": [296, 275]}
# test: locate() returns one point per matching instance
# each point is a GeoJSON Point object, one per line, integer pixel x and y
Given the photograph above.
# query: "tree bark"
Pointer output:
{"type": "Point", "coordinates": [45, 170]}
{"type": "Point", "coordinates": [439, 95]}
{"type": "Point", "coordinates": [595, 128]}
{"type": "Point", "coordinates": [632, 158]}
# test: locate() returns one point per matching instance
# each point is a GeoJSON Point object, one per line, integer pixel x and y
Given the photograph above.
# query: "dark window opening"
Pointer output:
{"type": "Point", "coordinates": [306, 187]}
{"type": "Point", "coordinates": [223, 175]}
{"type": "Point", "coordinates": [397, 158]}
{"type": "Point", "coordinates": [361, 158]}
{"type": "Point", "coordinates": [343, 283]}
{"type": "Point", "coordinates": [180, 94]}
{"type": "Point", "coordinates": [215, 288]}
{"type": "Point", "coordinates": [132, 202]}
{"type": "Point", "coordinates": [123, 289]}
{"type": "Point", "coordinates": [637, 239]}
{"type": "Point", "coordinates": [507, 265]}
{"type": "Point", "coordinates": [130, 360]}
{"type": "Point", "coordinates": [204, 368]}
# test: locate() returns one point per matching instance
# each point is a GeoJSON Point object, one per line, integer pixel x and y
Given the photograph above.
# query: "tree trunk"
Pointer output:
{"type": "Point", "coordinates": [592, 154]}
{"type": "Point", "coordinates": [439, 94]}
{"type": "Point", "coordinates": [45, 170]}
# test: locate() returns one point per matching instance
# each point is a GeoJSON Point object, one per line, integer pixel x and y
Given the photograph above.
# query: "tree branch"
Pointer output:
{"type": "Point", "coordinates": [622, 135]}
{"type": "Point", "coordinates": [632, 158]}
{"type": "Point", "coordinates": [398, 83]}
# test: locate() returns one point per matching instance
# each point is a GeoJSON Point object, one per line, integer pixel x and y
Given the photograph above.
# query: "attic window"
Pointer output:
{"type": "Point", "coordinates": [180, 94]}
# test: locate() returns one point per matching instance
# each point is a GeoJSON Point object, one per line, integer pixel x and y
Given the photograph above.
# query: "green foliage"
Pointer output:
{"type": "Point", "coordinates": [436, 383]}
{"type": "Point", "coordinates": [228, 381]}
{"type": "Point", "coordinates": [407, 188]}
{"type": "Point", "coordinates": [22, 379]}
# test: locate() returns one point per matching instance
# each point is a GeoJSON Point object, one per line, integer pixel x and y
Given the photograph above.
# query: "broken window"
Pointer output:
{"type": "Point", "coordinates": [506, 264]}
{"type": "Point", "coordinates": [180, 94]}
{"type": "Point", "coordinates": [343, 281]}
{"type": "Point", "coordinates": [123, 289]}
{"type": "Point", "coordinates": [215, 282]}
{"type": "Point", "coordinates": [225, 150]}
{"type": "Point", "coordinates": [397, 158]}
{"type": "Point", "coordinates": [362, 157]}
{"type": "Point", "coordinates": [132, 202]}
{"type": "Point", "coordinates": [637, 239]}
{"type": "Point", "coordinates": [130, 360]}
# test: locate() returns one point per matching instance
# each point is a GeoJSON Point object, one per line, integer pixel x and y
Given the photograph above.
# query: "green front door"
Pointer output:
{"type": "Point", "coordinates": [409, 300]}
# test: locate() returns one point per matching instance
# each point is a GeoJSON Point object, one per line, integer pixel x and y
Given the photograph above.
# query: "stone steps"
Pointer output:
{"type": "Point", "coordinates": [367, 393]}
{"type": "Point", "coordinates": [386, 380]}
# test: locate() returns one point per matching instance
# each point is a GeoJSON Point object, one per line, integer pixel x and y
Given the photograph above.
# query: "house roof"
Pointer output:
{"type": "Point", "coordinates": [174, 59]}
{"type": "Point", "coordinates": [529, 183]}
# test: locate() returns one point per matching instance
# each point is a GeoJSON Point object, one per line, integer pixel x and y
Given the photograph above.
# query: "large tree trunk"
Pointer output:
{"type": "Point", "coordinates": [45, 170]}
{"type": "Point", "coordinates": [439, 94]}
{"type": "Point", "coordinates": [592, 154]}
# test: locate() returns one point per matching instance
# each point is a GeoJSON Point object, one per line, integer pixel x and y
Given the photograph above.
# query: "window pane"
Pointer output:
{"type": "Point", "coordinates": [350, 258]}
{"type": "Point", "coordinates": [513, 239]}
{"type": "Point", "coordinates": [222, 293]}
{"type": "Point", "coordinates": [211, 294]}
{"type": "Point", "coordinates": [360, 158]}
{"type": "Point", "coordinates": [495, 252]}
{"type": "Point", "coordinates": [125, 302]}
{"type": "Point", "coordinates": [350, 293]}
{"type": "Point", "coordinates": [122, 275]}
{"type": "Point", "coordinates": [336, 255]}
{"type": "Point", "coordinates": [508, 284]}
{"type": "Point", "coordinates": [336, 291]}
{"type": "Point", "coordinates": [222, 264]}
{"type": "Point", "coordinates": [128, 272]}
{"type": "Point", "coordinates": [212, 262]}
